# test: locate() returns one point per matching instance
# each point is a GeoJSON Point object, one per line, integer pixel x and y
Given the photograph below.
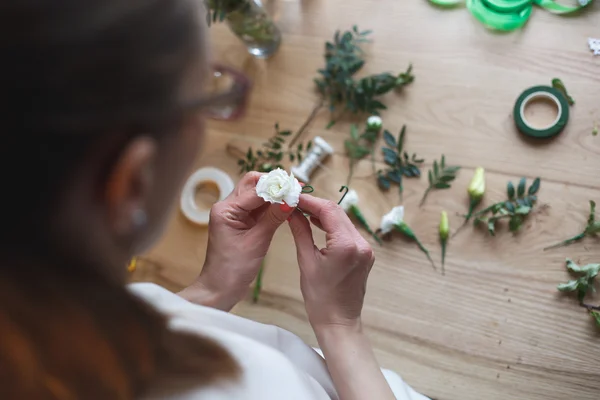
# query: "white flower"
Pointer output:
{"type": "Point", "coordinates": [374, 123]}
{"type": "Point", "coordinates": [391, 219]}
{"type": "Point", "coordinates": [351, 199]}
{"type": "Point", "coordinates": [278, 187]}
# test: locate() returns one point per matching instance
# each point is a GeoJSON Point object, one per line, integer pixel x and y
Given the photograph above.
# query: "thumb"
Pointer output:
{"type": "Point", "coordinates": [272, 219]}
{"type": "Point", "coordinates": [305, 244]}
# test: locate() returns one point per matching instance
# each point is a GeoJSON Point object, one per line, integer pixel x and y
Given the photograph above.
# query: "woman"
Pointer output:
{"type": "Point", "coordinates": [104, 107]}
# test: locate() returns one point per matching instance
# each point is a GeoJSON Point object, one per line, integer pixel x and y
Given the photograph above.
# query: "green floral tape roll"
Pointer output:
{"type": "Point", "coordinates": [541, 93]}
{"type": "Point", "coordinates": [508, 6]}
{"type": "Point", "coordinates": [499, 20]}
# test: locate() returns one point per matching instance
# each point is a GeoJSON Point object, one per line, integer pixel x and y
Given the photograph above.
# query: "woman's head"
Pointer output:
{"type": "Point", "coordinates": [97, 135]}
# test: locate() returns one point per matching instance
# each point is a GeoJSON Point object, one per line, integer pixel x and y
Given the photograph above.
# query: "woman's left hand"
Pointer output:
{"type": "Point", "coordinates": [239, 234]}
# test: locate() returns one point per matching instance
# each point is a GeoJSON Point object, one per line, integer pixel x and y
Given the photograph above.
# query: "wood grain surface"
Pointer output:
{"type": "Point", "coordinates": [494, 327]}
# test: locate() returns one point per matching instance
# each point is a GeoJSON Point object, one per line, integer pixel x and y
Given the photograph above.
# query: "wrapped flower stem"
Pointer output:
{"type": "Point", "coordinates": [349, 203]}
{"type": "Point", "coordinates": [406, 231]}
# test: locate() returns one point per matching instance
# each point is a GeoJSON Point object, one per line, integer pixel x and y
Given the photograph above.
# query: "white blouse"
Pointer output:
{"type": "Point", "coordinates": [275, 363]}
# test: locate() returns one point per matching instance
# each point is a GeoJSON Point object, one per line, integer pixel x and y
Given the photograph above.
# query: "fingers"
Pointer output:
{"type": "Point", "coordinates": [274, 216]}
{"type": "Point", "coordinates": [305, 244]}
{"type": "Point", "coordinates": [331, 216]}
{"type": "Point", "coordinates": [244, 195]}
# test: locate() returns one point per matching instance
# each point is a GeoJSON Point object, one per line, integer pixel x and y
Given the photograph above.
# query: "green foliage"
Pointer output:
{"type": "Point", "coordinates": [359, 146]}
{"type": "Point", "coordinates": [592, 229]}
{"type": "Point", "coordinates": [440, 176]}
{"type": "Point", "coordinates": [272, 153]}
{"type": "Point", "coordinates": [516, 208]}
{"type": "Point", "coordinates": [336, 83]}
{"type": "Point", "coordinates": [400, 163]}
{"type": "Point", "coordinates": [217, 10]}
{"type": "Point", "coordinates": [584, 283]}
{"type": "Point", "coordinates": [596, 316]}
{"type": "Point", "coordinates": [560, 86]}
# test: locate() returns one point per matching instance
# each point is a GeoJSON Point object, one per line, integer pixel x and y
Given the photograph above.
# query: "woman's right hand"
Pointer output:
{"type": "Point", "coordinates": [333, 279]}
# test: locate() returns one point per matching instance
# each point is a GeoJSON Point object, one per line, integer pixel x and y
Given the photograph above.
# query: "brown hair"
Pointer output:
{"type": "Point", "coordinates": [71, 72]}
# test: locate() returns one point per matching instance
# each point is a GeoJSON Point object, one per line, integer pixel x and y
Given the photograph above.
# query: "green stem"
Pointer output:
{"type": "Point", "coordinates": [361, 218]}
{"type": "Point", "coordinates": [258, 283]}
{"type": "Point", "coordinates": [472, 205]}
{"type": "Point", "coordinates": [405, 230]}
{"type": "Point", "coordinates": [566, 242]}
{"type": "Point", "coordinates": [424, 197]}
{"type": "Point", "coordinates": [443, 242]}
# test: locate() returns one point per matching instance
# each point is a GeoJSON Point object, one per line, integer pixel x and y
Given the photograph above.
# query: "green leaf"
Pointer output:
{"type": "Point", "coordinates": [292, 157]}
{"type": "Point", "coordinates": [570, 286]}
{"type": "Point", "coordinates": [389, 156]}
{"type": "Point", "coordinates": [509, 206]}
{"type": "Point", "coordinates": [514, 224]}
{"type": "Point", "coordinates": [401, 138]}
{"type": "Point", "coordinates": [596, 316]}
{"type": "Point", "coordinates": [383, 182]}
{"type": "Point", "coordinates": [535, 186]}
{"type": "Point", "coordinates": [521, 187]}
{"type": "Point", "coordinates": [249, 154]}
{"type": "Point", "coordinates": [560, 86]}
{"type": "Point", "coordinates": [442, 185]}
{"type": "Point", "coordinates": [390, 140]}
{"type": "Point", "coordinates": [285, 133]}
{"type": "Point", "coordinates": [522, 210]}
{"type": "Point", "coordinates": [309, 145]}
{"type": "Point", "coordinates": [430, 176]}
{"type": "Point", "coordinates": [510, 190]}
{"type": "Point", "coordinates": [491, 227]}
{"type": "Point", "coordinates": [435, 169]}
{"type": "Point", "coordinates": [394, 176]}
{"type": "Point", "coordinates": [241, 162]}
{"type": "Point", "coordinates": [443, 162]}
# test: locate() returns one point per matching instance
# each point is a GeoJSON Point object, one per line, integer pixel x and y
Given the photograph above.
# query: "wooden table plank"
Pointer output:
{"type": "Point", "coordinates": [494, 327]}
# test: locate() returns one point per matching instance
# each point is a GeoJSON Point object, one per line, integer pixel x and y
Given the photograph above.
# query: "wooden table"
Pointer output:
{"type": "Point", "coordinates": [494, 327]}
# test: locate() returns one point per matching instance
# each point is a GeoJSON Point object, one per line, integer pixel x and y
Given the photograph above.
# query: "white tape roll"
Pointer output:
{"type": "Point", "coordinates": [189, 208]}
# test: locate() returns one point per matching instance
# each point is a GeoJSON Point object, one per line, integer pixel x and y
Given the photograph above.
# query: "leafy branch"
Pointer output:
{"type": "Point", "coordinates": [401, 164]}
{"type": "Point", "coordinates": [343, 59]}
{"type": "Point", "coordinates": [272, 153]}
{"type": "Point", "coordinates": [592, 228]}
{"type": "Point", "coordinates": [584, 283]}
{"type": "Point", "coordinates": [440, 177]}
{"type": "Point", "coordinates": [516, 208]}
{"type": "Point", "coordinates": [359, 146]}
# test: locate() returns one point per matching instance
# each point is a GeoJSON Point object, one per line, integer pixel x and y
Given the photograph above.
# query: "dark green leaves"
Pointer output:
{"type": "Point", "coordinates": [560, 86]}
{"type": "Point", "coordinates": [515, 209]}
{"type": "Point", "coordinates": [400, 162]}
{"type": "Point", "coordinates": [440, 177]}
{"type": "Point", "coordinates": [271, 154]}
{"type": "Point", "coordinates": [336, 82]}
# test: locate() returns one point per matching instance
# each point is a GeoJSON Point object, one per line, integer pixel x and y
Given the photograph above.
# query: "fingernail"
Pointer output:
{"type": "Point", "coordinates": [302, 183]}
{"type": "Point", "coordinates": [285, 208]}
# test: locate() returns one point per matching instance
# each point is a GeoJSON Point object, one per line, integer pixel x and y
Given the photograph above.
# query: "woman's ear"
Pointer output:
{"type": "Point", "coordinates": [129, 186]}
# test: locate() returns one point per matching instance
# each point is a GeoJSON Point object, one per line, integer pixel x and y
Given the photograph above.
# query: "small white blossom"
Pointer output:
{"type": "Point", "coordinates": [279, 187]}
{"type": "Point", "coordinates": [391, 219]}
{"type": "Point", "coordinates": [374, 123]}
{"type": "Point", "coordinates": [351, 199]}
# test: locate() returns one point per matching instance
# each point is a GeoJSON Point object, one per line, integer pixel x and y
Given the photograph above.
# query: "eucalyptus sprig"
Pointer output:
{"type": "Point", "coordinates": [343, 59]}
{"type": "Point", "coordinates": [440, 177]}
{"type": "Point", "coordinates": [516, 208]}
{"type": "Point", "coordinates": [584, 283]}
{"type": "Point", "coordinates": [217, 10]}
{"type": "Point", "coordinates": [592, 228]}
{"type": "Point", "coordinates": [401, 164]}
{"type": "Point", "coordinates": [272, 153]}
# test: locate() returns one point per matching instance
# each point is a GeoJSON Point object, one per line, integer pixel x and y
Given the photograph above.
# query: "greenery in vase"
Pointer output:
{"type": "Point", "coordinates": [401, 164]}
{"type": "Point", "coordinates": [343, 59]}
{"type": "Point", "coordinates": [217, 10]}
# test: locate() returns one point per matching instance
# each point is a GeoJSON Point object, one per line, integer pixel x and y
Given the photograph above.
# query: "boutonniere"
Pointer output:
{"type": "Point", "coordinates": [394, 220]}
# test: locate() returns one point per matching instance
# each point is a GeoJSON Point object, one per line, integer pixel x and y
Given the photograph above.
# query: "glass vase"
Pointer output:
{"type": "Point", "coordinates": [252, 24]}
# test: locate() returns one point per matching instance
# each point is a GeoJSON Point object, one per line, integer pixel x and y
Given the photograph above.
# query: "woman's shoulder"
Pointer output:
{"type": "Point", "coordinates": [273, 364]}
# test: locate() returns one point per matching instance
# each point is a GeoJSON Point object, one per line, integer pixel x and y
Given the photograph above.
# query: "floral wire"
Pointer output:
{"type": "Point", "coordinates": [307, 189]}
{"type": "Point", "coordinates": [345, 193]}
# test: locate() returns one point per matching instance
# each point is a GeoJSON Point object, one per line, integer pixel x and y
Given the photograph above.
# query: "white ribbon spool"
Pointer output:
{"type": "Point", "coordinates": [320, 150]}
{"type": "Point", "coordinates": [188, 205]}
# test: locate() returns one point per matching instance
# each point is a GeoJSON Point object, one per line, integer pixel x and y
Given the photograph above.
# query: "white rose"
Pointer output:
{"type": "Point", "coordinates": [391, 219]}
{"type": "Point", "coordinates": [278, 187]}
{"type": "Point", "coordinates": [351, 199]}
